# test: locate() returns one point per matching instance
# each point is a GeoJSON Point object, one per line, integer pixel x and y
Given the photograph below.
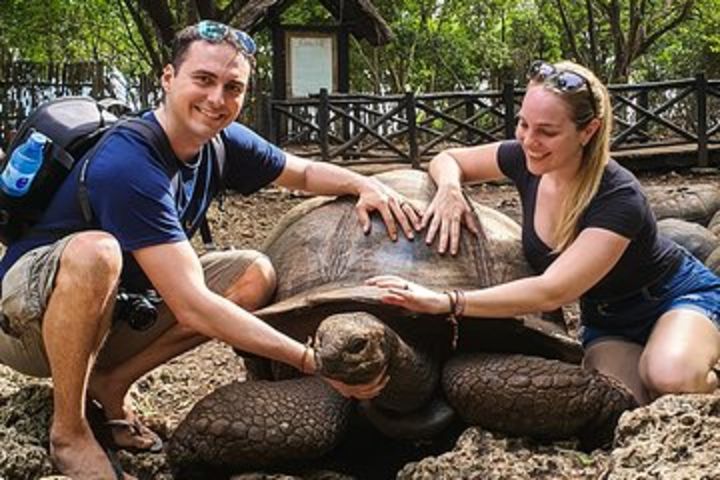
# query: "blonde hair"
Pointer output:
{"type": "Point", "coordinates": [595, 155]}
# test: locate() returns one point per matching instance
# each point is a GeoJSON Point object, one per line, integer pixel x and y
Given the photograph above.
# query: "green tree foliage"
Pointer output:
{"type": "Point", "coordinates": [70, 31]}
{"type": "Point", "coordinates": [447, 45]}
{"type": "Point", "coordinates": [440, 45]}
{"type": "Point", "coordinates": [611, 36]}
{"type": "Point", "coordinates": [158, 20]}
{"type": "Point", "coordinates": [693, 47]}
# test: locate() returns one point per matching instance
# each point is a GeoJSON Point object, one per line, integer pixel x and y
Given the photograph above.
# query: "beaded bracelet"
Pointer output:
{"type": "Point", "coordinates": [456, 309]}
{"type": "Point", "coordinates": [308, 347]}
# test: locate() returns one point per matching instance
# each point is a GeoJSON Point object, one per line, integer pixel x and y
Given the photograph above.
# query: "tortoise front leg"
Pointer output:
{"type": "Point", "coordinates": [252, 425]}
{"type": "Point", "coordinates": [532, 396]}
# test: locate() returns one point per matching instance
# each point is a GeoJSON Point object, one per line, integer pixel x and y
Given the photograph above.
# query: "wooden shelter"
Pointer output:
{"type": "Point", "coordinates": [310, 54]}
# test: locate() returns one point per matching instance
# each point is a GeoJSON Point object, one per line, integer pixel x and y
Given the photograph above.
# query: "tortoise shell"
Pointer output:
{"type": "Point", "coordinates": [323, 260]}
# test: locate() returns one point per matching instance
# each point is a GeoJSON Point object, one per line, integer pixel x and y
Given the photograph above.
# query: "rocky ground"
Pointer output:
{"type": "Point", "coordinates": [676, 437]}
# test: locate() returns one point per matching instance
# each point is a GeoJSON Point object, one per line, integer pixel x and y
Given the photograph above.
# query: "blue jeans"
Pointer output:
{"type": "Point", "coordinates": [692, 286]}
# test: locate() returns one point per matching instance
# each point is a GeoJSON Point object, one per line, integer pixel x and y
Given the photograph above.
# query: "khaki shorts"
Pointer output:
{"type": "Point", "coordinates": [26, 290]}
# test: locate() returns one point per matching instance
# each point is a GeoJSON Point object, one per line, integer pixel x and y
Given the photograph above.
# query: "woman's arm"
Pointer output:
{"type": "Point", "coordinates": [590, 257]}
{"type": "Point", "coordinates": [467, 164]}
{"type": "Point", "coordinates": [449, 209]}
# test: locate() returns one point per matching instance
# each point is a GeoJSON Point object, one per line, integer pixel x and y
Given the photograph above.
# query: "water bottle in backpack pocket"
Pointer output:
{"type": "Point", "coordinates": [50, 141]}
{"type": "Point", "coordinates": [23, 165]}
{"type": "Point", "coordinates": [68, 129]}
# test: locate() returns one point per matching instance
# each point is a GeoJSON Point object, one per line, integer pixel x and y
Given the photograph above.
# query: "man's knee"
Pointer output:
{"type": "Point", "coordinates": [95, 257]}
{"type": "Point", "coordinates": [261, 282]}
{"type": "Point", "coordinates": [255, 287]}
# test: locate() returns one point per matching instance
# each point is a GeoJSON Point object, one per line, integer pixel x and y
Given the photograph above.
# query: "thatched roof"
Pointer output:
{"type": "Point", "coordinates": [360, 16]}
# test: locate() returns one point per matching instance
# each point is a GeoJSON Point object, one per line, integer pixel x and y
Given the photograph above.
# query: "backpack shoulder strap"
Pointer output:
{"type": "Point", "coordinates": [149, 130]}
{"type": "Point", "coordinates": [217, 145]}
{"type": "Point", "coordinates": [153, 132]}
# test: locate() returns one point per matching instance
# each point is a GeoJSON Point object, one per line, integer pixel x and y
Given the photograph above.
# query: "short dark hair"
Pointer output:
{"type": "Point", "coordinates": [189, 35]}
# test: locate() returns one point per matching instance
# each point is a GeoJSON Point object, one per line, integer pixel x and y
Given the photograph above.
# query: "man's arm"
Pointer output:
{"type": "Point", "coordinates": [177, 275]}
{"type": "Point", "coordinates": [326, 179]}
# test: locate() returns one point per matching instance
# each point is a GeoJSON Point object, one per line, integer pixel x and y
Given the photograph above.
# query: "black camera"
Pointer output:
{"type": "Point", "coordinates": [137, 309]}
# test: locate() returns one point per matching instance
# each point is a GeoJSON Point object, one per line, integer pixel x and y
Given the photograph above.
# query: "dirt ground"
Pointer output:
{"type": "Point", "coordinates": [164, 396]}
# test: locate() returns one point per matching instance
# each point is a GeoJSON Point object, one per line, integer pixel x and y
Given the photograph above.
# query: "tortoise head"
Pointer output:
{"type": "Point", "coordinates": [352, 347]}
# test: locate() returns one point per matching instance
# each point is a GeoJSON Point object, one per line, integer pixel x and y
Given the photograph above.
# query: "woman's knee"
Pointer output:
{"type": "Point", "coordinates": [680, 354]}
{"type": "Point", "coordinates": [675, 372]}
{"type": "Point", "coordinates": [92, 257]}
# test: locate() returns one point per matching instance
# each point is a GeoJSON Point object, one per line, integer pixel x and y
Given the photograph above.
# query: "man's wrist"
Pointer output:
{"type": "Point", "coordinates": [449, 184]}
{"type": "Point", "coordinates": [307, 361]}
{"type": "Point", "coordinates": [367, 185]}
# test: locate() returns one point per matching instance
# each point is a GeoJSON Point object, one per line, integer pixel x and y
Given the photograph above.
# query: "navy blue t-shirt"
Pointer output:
{"type": "Point", "coordinates": [619, 206]}
{"type": "Point", "coordinates": [133, 196]}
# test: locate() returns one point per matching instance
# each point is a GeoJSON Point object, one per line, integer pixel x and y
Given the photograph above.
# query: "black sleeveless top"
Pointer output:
{"type": "Point", "coordinates": [619, 206]}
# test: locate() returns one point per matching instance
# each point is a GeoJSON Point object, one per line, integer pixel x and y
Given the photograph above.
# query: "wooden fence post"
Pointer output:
{"type": "Point", "coordinates": [272, 121]}
{"type": "Point", "coordinates": [469, 112]}
{"type": "Point", "coordinates": [644, 101]}
{"type": "Point", "coordinates": [263, 118]}
{"type": "Point", "coordinates": [347, 108]}
{"type": "Point", "coordinates": [411, 118]}
{"type": "Point", "coordinates": [508, 95]}
{"type": "Point", "coordinates": [324, 124]}
{"type": "Point", "coordinates": [702, 130]}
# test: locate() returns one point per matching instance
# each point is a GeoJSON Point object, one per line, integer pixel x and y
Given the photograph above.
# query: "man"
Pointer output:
{"type": "Point", "coordinates": [58, 296]}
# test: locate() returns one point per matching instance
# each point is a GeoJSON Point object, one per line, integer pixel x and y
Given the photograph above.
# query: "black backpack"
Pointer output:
{"type": "Point", "coordinates": [74, 126]}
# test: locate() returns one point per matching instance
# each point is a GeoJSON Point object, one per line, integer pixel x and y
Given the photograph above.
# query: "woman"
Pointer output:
{"type": "Point", "coordinates": [649, 310]}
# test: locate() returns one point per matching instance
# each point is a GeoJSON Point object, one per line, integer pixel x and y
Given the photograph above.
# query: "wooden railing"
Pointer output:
{"type": "Point", "coordinates": [410, 127]}
{"type": "Point", "coordinates": [25, 85]}
{"type": "Point", "coordinates": [362, 128]}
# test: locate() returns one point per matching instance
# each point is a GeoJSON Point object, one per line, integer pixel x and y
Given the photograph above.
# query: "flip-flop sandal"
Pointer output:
{"type": "Point", "coordinates": [136, 430]}
{"type": "Point", "coordinates": [115, 464]}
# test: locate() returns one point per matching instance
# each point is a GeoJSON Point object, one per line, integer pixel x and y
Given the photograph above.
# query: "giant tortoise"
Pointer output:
{"type": "Point", "coordinates": [515, 375]}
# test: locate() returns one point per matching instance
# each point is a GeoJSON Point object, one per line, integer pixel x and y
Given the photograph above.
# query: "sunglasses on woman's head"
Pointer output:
{"type": "Point", "coordinates": [216, 32]}
{"type": "Point", "coordinates": [560, 80]}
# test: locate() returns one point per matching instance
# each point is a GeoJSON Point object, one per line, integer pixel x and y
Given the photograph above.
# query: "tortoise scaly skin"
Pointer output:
{"type": "Point", "coordinates": [515, 375]}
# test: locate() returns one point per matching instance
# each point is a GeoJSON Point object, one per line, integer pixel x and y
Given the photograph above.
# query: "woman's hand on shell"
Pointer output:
{"type": "Point", "coordinates": [412, 296]}
{"type": "Point", "coordinates": [444, 217]}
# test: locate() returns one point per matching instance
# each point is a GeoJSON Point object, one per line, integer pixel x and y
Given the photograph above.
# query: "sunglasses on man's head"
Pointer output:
{"type": "Point", "coordinates": [216, 32]}
{"type": "Point", "coordinates": [561, 80]}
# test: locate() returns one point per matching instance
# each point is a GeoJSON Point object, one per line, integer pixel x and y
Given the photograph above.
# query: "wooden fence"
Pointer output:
{"type": "Point", "coordinates": [372, 128]}
{"type": "Point", "coordinates": [25, 85]}
{"type": "Point", "coordinates": [361, 128]}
